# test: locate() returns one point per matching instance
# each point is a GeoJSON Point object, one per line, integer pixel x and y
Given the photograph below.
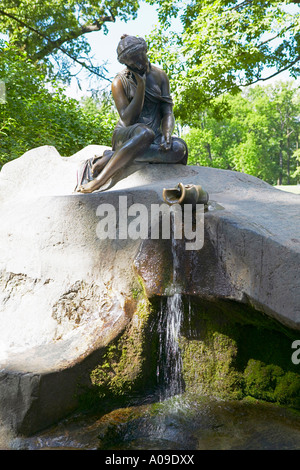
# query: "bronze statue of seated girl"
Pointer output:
{"type": "Point", "coordinates": [141, 93]}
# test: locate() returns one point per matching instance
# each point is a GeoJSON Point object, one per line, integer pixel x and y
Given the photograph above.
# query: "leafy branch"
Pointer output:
{"type": "Point", "coordinates": [57, 45]}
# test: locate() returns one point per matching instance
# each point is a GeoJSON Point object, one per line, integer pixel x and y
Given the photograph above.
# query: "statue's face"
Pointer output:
{"type": "Point", "coordinates": [138, 62]}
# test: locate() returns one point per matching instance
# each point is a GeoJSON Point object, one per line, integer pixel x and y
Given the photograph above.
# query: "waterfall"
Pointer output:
{"type": "Point", "coordinates": [169, 366]}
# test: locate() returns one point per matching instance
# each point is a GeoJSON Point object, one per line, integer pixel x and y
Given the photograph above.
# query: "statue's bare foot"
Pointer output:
{"type": "Point", "coordinates": [88, 187]}
{"type": "Point", "coordinates": [93, 185]}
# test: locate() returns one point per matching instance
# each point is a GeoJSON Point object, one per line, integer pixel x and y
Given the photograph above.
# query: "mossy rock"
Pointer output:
{"type": "Point", "coordinates": [228, 350]}
{"type": "Point", "coordinates": [208, 366]}
{"type": "Point", "coordinates": [269, 382]}
{"type": "Point", "coordinates": [231, 351]}
{"type": "Point", "coordinates": [126, 364]}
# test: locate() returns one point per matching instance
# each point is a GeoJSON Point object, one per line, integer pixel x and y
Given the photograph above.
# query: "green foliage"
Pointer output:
{"type": "Point", "coordinates": [37, 112]}
{"type": "Point", "coordinates": [296, 156]}
{"type": "Point", "coordinates": [57, 30]}
{"type": "Point", "coordinates": [223, 45]}
{"type": "Point", "coordinates": [258, 135]}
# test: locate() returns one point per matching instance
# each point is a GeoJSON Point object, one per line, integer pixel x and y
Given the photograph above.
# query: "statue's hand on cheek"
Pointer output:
{"type": "Point", "coordinates": [140, 78]}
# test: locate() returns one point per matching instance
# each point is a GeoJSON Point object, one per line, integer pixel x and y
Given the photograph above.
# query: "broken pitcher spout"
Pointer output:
{"type": "Point", "coordinates": [185, 194]}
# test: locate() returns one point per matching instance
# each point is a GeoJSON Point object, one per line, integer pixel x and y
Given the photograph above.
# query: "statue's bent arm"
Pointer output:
{"type": "Point", "coordinates": [128, 111]}
{"type": "Point", "coordinates": [168, 121]}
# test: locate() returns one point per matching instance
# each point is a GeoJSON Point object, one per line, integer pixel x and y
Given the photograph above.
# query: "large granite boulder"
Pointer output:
{"type": "Point", "coordinates": [66, 293]}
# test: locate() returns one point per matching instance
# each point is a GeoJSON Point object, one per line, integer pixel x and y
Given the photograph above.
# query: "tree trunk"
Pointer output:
{"type": "Point", "coordinates": [280, 164]}
{"type": "Point", "coordinates": [208, 151]}
{"type": "Point", "coordinates": [288, 160]}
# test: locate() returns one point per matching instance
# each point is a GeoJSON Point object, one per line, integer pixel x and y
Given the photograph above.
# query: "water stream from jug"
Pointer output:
{"type": "Point", "coordinates": [169, 366]}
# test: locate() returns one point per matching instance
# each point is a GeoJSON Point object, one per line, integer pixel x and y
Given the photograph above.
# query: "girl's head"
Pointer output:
{"type": "Point", "coordinates": [132, 51]}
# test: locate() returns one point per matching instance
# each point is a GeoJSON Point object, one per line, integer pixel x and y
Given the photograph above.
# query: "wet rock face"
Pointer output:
{"type": "Point", "coordinates": [184, 346]}
{"type": "Point", "coordinates": [67, 294]}
{"type": "Point", "coordinates": [231, 350]}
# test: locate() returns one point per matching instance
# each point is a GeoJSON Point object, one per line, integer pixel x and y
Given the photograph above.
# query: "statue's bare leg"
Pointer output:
{"type": "Point", "coordinates": [138, 144]}
{"type": "Point", "coordinates": [100, 164]}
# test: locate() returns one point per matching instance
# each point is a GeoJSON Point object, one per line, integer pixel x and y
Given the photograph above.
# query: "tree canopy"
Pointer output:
{"type": "Point", "coordinates": [223, 46]}
{"type": "Point", "coordinates": [260, 135]}
{"type": "Point", "coordinates": [56, 31]}
{"type": "Point", "coordinates": [220, 47]}
{"type": "Point", "coordinates": [37, 112]}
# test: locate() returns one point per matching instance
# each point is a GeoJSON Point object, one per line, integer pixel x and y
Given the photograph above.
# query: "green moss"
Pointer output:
{"type": "Point", "coordinates": [121, 365]}
{"type": "Point", "coordinates": [208, 365]}
{"type": "Point", "coordinates": [261, 379]}
{"type": "Point", "coordinates": [271, 383]}
{"type": "Point", "coordinates": [228, 350]}
{"type": "Point", "coordinates": [232, 351]}
{"type": "Point", "coordinates": [124, 368]}
{"type": "Point", "coordinates": [138, 290]}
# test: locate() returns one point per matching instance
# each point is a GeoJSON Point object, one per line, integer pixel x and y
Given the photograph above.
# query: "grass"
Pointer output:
{"type": "Point", "coordinates": [291, 188]}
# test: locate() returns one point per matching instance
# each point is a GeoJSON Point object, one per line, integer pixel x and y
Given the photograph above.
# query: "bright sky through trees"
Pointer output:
{"type": "Point", "coordinates": [104, 46]}
{"type": "Point", "coordinates": [210, 49]}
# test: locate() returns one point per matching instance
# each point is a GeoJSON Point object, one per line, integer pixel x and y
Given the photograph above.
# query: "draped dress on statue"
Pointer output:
{"type": "Point", "coordinates": [150, 116]}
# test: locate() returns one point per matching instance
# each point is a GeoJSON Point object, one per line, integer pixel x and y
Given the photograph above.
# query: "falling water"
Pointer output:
{"type": "Point", "coordinates": [169, 367]}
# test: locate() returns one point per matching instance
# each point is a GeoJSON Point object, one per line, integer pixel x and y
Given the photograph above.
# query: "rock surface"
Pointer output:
{"type": "Point", "coordinates": [66, 294]}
